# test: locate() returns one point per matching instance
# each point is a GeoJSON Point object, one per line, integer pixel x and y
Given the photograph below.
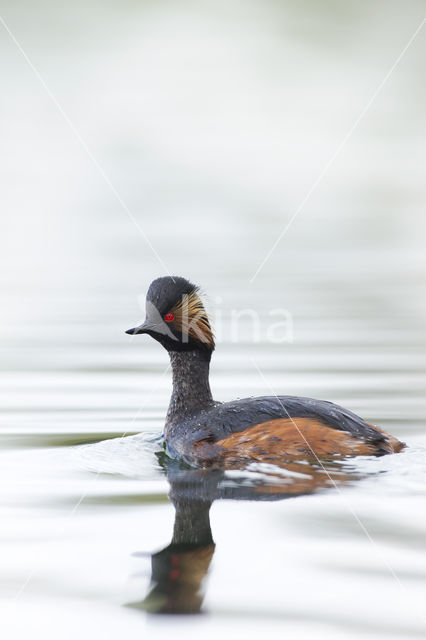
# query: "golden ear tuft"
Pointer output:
{"type": "Point", "coordinates": [191, 319]}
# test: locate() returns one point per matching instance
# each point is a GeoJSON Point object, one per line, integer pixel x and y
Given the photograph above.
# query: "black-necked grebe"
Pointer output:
{"type": "Point", "coordinates": [206, 433]}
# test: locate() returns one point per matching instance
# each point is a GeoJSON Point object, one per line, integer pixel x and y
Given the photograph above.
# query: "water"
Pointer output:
{"type": "Point", "coordinates": [212, 123]}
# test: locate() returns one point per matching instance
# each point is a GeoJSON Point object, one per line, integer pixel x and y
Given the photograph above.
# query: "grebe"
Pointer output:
{"type": "Point", "coordinates": [205, 433]}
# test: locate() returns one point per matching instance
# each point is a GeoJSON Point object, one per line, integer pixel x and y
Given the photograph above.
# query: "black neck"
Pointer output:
{"type": "Point", "coordinates": [191, 388]}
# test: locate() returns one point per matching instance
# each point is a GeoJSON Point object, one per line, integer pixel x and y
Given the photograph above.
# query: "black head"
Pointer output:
{"type": "Point", "coordinates": [175, 316]}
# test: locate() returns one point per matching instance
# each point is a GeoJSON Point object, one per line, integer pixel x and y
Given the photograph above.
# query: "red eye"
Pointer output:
{"type": "Point", "coordinates": [169, 317]}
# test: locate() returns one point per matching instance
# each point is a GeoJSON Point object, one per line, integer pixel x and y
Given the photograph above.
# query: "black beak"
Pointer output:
{"type": "Point", "coordinates": [143, 328]}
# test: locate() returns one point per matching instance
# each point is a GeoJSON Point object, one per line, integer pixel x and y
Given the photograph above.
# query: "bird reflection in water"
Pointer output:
{"type": "Point", "coordinates": [179, 570]}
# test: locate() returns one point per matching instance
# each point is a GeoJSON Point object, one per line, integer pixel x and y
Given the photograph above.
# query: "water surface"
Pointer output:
{"type": "Point", "coordinates": [212, 123]}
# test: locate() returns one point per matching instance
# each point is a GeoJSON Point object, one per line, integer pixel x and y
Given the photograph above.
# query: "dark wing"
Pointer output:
{"type": "Point", "coordinates": [225, 419]}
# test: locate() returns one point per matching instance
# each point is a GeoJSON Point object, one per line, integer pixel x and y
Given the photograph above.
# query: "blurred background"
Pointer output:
{"type": "Point", "coordinates": [211, 120]}
{"type": "Point", "coordinates": [140, 137]}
